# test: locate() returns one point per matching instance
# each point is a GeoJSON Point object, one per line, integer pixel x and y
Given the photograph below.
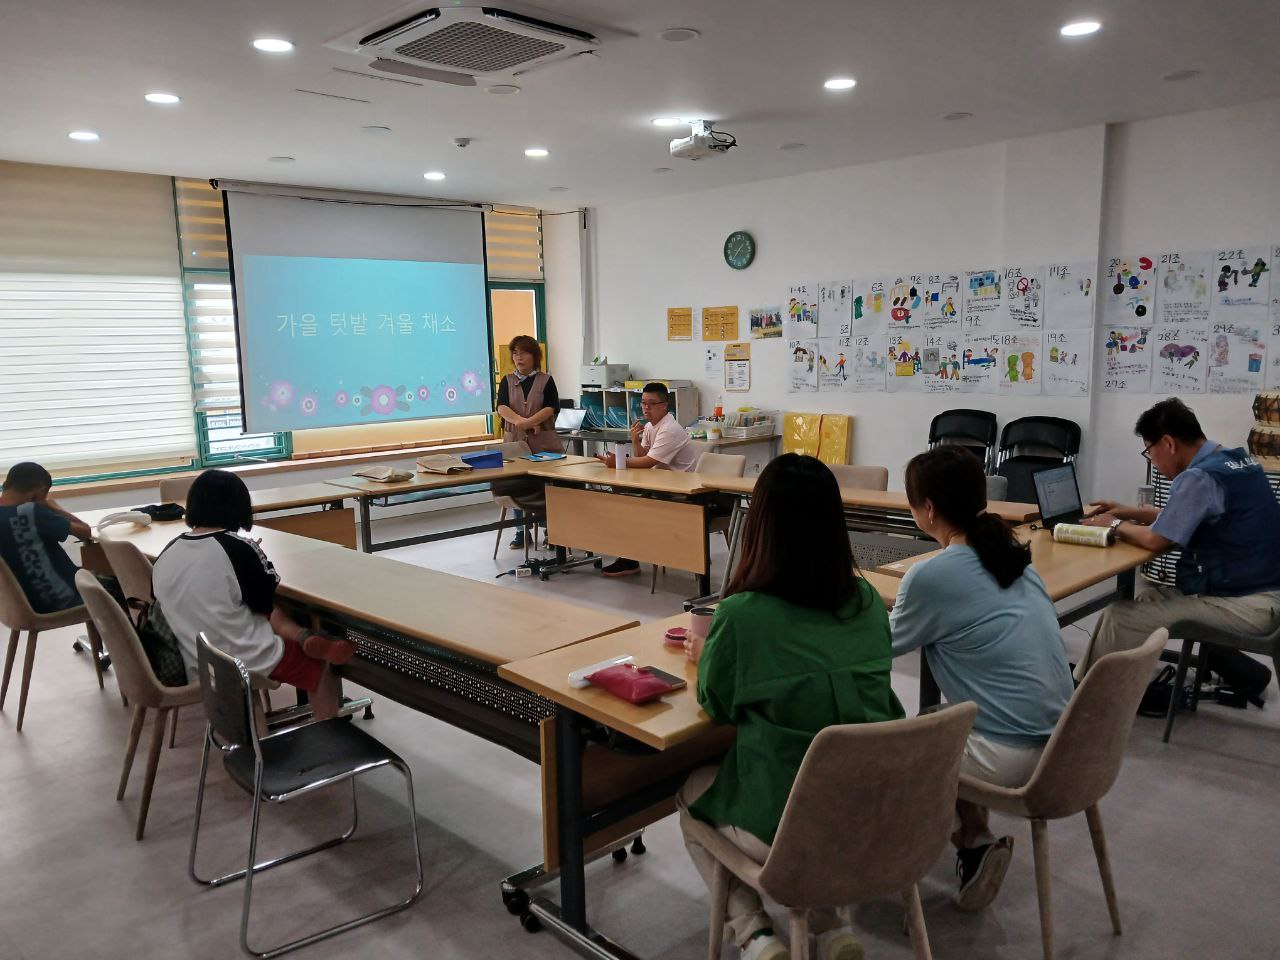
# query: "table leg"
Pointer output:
{"type": "Point", "coordinates": [736, 522]}
{"type": "Point", "coordinates": [366, 533]}
{"type": "Point", "coordinates": [1126, 584]}
{"type": "Point", "coordinates": [573, 883]}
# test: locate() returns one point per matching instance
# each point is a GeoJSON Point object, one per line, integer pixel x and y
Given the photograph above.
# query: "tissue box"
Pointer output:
{"type": "Point", "coordinates": [483, 459]}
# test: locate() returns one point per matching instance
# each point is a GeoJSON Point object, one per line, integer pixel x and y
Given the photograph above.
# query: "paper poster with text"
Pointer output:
{"type": "Point", "coordinates": [980, 363]}
{"type": "Point", "coordinates": [766, 323]}
{"type": "Point", "coordinates": [835, 308]}
{"type": "Point", "coordinates": [1023, 370]}
{"type": "Point", "coordinates": [1023, 297]}
{"type": "Point", "coordinates": [941, 360]}
{"type": "Point", "coordinates": [1181, 362]}
{"type": "Point", "coordinates": [835, 364]}
{"type": "Point", "coordinates": [867, 363]}
{"type": "Point", "coordinates": [983, 307]}
{"type": "Point", "coordinates": [904, 367]}
{"type": "Point", "coordinates": [1237, 353]}
{"type": "Point", "coordinates": [737, 367]}
{"type": "Point", "coordinates": [904, 294]}
{"type": "Point", "coordinates": [1242, 285]}
{"type": "Point", "coordinates": [943, 301]}
{"type": "Point", "coordinates": [802, 365]}
{"type": "Point", "coordinates": [801, 319]}
{"type": "Point", "coordinates": [869, 308]}
{"type": "Point", "coordinates": [1068, 360]}
{"type": "Point", "coordinates": [1069, 295]}
{"type": "Point", "coordinates": [1129, 290]}
{"type": "Point", "coordinates": [1126, 359]}
{"type": "Point", "coordinates": [1184, 287]}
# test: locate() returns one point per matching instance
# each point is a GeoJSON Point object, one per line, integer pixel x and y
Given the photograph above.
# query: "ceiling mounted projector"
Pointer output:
{"type": "Point", "coordinates": [703, 142]}
{"type": "Point", "coordinates": [456, 44]}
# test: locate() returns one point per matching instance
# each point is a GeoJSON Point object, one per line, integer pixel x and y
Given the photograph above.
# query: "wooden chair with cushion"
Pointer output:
{"type": "Point", "coordinates": [715, 465]}
{"type": "Point", "coordinates": [138, 682]}
{"type": "Point", "coordinates": [868, 816]}
{"type": "Point", "coordinates": [861, 478]}
{"type": "Point", "coordinates": [1079, 764]}
{"type": "Point", "coordinates": [174, 489]}
{"type": "Point", "coordinates": [16, 613]}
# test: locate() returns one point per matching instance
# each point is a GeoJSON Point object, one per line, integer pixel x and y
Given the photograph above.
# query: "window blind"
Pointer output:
{"type": "Point", "coordinates": [94, 370]}
{"type": "Point", "coordinates": [513, 243]}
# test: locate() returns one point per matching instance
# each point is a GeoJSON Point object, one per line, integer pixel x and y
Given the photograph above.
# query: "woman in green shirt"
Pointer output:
{"type": "Point", "coordinates": [800, 642]}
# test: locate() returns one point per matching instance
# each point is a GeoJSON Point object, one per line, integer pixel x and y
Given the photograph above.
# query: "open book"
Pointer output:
{"type": "Point", "coordinates": [384, 474]}
{"type": "Point", "coordinates": [442, 463]}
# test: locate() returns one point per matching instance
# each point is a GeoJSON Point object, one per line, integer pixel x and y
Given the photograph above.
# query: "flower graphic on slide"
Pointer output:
{"type": "Point", "coordinates": [279, 395]}
{"type": "Point", "coordinates": [383, 400]}
{"type": "Point", "coordinates": [308, 404]}
{"type": "Point", "coordinates": [451, 394]}
{"type": "Point", "coordinates": [471, 382]}
{"type": "Point", "coordinates": [424, 394]}
{"type": "Point", "coordinates": [407, 396]}
{"type": "Point", "coordinates": [341, 398]}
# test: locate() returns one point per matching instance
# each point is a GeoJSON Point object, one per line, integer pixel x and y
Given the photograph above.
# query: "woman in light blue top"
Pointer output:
{"type": "Point", "coordinates": [990, 635]}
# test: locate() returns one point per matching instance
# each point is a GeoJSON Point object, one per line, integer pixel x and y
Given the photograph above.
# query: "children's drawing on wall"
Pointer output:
{"type": "Point", "coordinates": [1242, 282]}
{"type": "Point", "coordinates": [982, 299]}
{"type": "Point", "coordinates": [1181, 362]}
{"type": "Point", "coordinates": [866, 363]}
{"type": "Point", "coordinates": [1273, 365]}
{"type": "Point", "coordinates": [940, 361]}
{"type": "Point", "coordinates": [1069, 296]}
{"type": "Point", "coordinates": [801, 319]}
{"type": "Point", "coordinates": [981, 360]}
{"type": "Point", "coordinates": [1236, 355]}
{"type": "Point", "coordinates": [904, 296]}
{"type": "Point", "coordinates": [905, 363]}
{"type": "Point", "coordinates": [942, 301]}
{"type": "Point", "coordinates": [1022, 372]}
{"type": "Point", "coordinates": [1024, 297]}
{"type": "Point", "coordinates": [1130, 290]}
{"type": "Point", "coordinates": [835, 309]}
{"type": "Point", "coordinates": [766, 323]}
{"type": "Point", "coordinates": [866, 307]}
{"type": "Point", "coordinates": [1126, 359]}
{"type": "Point", "coordinates": [803, 366]}
{"type": "Point", "coordinates": [1067, 362]}
{"type": "Point", "coordinates": [835, 360]}
{"type": "Point", "coordinates": [1183, 296]}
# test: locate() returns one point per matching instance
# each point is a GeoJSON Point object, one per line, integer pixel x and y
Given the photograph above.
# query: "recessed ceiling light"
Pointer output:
{"type": "Point", "coordinates": [661, 169]}
{"type": "Point", "coordinates": [957, 115]}
{"type": "Point", "coordinates": [375, 129]}
{"type": "Point", "coordinates": [679, 34]}
{"type": "Point", "coordinates": [536, 152]}
{"type": "Point", "coordinates": [433, 175]}
{"type": "Point", "coordinates": [272, 45]}
{"type": "Point", "coordinates": [841, 83]}
{"type": "Point", "coordinates": [793, 146]}
{"type": "Point", "coordinates": [502, 89]}
{"type": "Point", "coordinates": [1179, 75]}
{"type": "Point", "coordinates": [280, 159]}
{"type": "Point", "coordinates": [1081, 28]}
{"type": "Point", "coordinates": [666, 121]}
{"type": "Point", "coordinates": [85, 135]}
{"type": "Point", "coordinates": [557, 189]}
{"type": "Point", "coordinates": [162, 98]}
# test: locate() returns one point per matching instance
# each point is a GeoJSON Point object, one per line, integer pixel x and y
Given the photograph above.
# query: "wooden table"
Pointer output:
{"type": "Point", "coordinates": [366, 492]}
{"type": "Point", "coordinates": [652, 516]}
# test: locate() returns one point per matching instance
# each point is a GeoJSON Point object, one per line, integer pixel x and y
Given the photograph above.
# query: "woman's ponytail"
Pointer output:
{"type": "Point", "coordinates": [951, 478]}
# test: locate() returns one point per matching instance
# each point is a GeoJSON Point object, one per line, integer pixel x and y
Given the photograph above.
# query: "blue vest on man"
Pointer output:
{"type": "Point", "coordinates": [1237, 553]}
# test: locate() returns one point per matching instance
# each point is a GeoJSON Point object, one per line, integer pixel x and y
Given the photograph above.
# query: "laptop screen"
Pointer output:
{"type": "Point", "coordinates": [1058, 494]}
{"type": "Point", "coordinates": [570, 418]}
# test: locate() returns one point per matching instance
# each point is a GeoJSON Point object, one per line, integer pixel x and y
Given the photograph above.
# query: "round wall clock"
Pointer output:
{"type": "Point", "coordinates": [739, 249]}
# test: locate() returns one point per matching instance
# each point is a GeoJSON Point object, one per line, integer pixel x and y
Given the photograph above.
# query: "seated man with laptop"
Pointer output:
{"type": "Point", "coordinates": [1224, 516]}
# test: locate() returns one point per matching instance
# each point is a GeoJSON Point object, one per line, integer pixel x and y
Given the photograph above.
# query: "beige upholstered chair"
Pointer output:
{"type": "Point", "coordinates": [138, 682]}
{"type": "Point", "coordinates": [1078, 767]}
{"type": "Point", "coordinates": [17, 615]}
{"type": "Point", "coordinates": [511, 450]}
{"type": "Point", "coordinates": [861, 478]}
{"type": "Point", "coordinates": [997, 488]}
{"type": "Point", "coordinates": [869, 814]}
{"type": "Point", "coordinates": [174, 489]}
{"type": "Point", "coordinates": [715, 465]}
{"type": "Point", "coordinates": [131, 568]}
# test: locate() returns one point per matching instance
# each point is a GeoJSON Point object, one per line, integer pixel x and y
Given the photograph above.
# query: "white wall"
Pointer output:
{"type": "Point", "coordinates": [1193, 181]}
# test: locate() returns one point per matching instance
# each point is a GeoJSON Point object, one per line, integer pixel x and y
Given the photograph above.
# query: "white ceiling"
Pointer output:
{"type": "Point", "coordinates": [757, 69]}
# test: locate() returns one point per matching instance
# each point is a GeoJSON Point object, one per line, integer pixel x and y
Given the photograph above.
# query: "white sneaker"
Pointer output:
{"type": "Point", "coordinates": [765, 948]}
{"type": "Point", "coordinates": [839, 944]}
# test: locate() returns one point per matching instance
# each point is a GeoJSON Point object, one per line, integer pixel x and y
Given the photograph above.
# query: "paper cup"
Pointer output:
{"type": "Point", "coordinates": [620, 453]}
{"type": "Point", "coordinates": [700, 620]}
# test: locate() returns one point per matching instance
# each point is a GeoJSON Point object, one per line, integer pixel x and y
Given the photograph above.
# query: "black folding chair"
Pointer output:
{"type": "Point", "coordinates": [975, 429]}
{"type": "Point", "coordinates": [278, 768]}
{"type": "Point", "coordinates": [1030, 444]}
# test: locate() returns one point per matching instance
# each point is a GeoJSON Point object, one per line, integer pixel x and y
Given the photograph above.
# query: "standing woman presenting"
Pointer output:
{"type": "Point", "coordinates": [528, 403]}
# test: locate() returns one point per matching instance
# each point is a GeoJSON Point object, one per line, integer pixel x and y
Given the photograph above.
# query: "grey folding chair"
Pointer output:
{"type": "Point", "coordinates": [278, 768]}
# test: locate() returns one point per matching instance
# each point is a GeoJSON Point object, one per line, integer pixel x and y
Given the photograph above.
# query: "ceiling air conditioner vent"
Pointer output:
{"type": "Point", "coordinates": [480, 41]}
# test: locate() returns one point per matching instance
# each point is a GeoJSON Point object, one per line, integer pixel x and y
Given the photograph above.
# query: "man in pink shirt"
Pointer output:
{"type": "Point", "coordinates": [657, 443]}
